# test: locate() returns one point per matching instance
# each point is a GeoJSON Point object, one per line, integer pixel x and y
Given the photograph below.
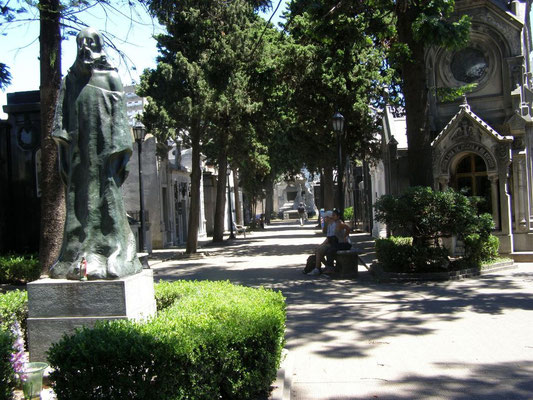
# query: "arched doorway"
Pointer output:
{"type": "Point", "coordinates": [470, 178]}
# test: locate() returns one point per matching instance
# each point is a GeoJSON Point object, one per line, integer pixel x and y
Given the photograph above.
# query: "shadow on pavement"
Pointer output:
{"type": "Point", "coordinates": [369, 313]}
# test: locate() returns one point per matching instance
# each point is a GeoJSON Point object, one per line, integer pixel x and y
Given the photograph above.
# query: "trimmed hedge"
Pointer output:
{"type": "Point", "coordinates": [395, 253]}
{"type": "Point", "coordinates": [210, 340]}
{"type": "Point", "coordinates": [19, 268]}
{"type": "Point", "coordinates": [7, 375]}
{"type": "Point", "coordinates": [398, 254]}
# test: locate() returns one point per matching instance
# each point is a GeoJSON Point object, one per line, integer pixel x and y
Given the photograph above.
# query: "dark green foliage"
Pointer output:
{"type": "Point", "coordinates": [397, 254]}
{"type": "Point", "coordinates": [19, 268]}
{"type": "Point", "coordinates": [112, 361]}
{"type": "Point", "coordinates": [210, 340]}
{"type": "Point", "coordinates": [7, 376]}
{"type": "Point", "coordinates": [394, 253]}
{"type": "Point", "coordinates": [452, 94]}
{"type": "Point", "coordinates": [427, 216]}
{"type": "Point", "coordinates": [337, 65]}
{"type": "Point", "coordinates": [479, 249]}
{"type": "Point", "coordinates": [429, 258]}
{"type": "Point", "coordinates": [348, 214]}
{"type": "Point", "coordinates": [13, 307]}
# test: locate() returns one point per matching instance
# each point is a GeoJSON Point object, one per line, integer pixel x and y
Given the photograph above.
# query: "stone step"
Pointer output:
{"type": "Point", "coordinates": [522, 256]}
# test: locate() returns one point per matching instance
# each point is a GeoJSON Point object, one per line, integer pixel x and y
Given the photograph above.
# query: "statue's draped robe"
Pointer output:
{"type": "Point", "coordinates": [95, 143]}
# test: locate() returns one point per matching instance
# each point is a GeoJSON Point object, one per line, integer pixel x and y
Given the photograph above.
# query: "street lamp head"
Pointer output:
{"type": "Point", "coordinates": [139, 130]}
{"type": "Point", "coordinates": [338, 122]}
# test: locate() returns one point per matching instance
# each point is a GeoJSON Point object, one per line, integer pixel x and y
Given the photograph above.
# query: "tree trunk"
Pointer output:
{"type": "Point", "coordinates": [194, 209]}
{"type": "Point", "coordinates": [53, 194]}
{"type": "Point", "coordinates": [269, 200]}
{"type": "Point", "coordinates": [220, 204]}
{"type": "Point", "coordinates": [238, 206]}
{"type": "Point", "coordinates": [415, 91]}
{"type": "Point", "coordinates": [329, 193]}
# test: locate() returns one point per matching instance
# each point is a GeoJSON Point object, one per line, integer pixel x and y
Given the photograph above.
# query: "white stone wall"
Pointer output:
{"type": "Point", "coordinates": [377, 177]}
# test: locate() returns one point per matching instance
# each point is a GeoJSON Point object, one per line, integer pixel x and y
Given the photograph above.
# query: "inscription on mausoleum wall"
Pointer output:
{"type": "Point", "coordinates": [467, 146]}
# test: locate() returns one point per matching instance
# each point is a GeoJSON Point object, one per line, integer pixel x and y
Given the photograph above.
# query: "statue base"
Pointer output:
{"type": "Point", "coordinates": [58, 306]}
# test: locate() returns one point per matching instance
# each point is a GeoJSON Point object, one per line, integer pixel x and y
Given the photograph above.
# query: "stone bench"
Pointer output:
{"type": "Point", "coordinates": [346, 263]}
{"type": "Point", "coordinates": [291, 214]}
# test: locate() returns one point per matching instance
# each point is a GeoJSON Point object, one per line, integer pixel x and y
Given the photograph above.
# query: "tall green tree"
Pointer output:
{"type": "Point", "coordinates": [200, 84]}
{"type": "Point", "coordinates": [342, 69]}
{"type": "Point", "coordinates": [268, 148]}
{"type": "Point", "coordinates": [420, 24]}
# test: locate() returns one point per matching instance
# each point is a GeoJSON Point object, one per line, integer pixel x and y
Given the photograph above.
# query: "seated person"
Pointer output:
{"type": "Point", "coordinates": [337, 235]}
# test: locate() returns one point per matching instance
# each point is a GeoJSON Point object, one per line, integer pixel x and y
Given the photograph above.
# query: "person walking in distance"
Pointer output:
{"type": "Point", "coordinates": [301, 214]}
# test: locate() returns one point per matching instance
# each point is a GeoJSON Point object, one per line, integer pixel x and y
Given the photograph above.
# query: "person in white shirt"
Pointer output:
{"type": "Point", "coordinates": [337, 239]}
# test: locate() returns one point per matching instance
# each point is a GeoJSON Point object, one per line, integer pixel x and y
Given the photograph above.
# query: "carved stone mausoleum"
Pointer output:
{"type": "Point", "coordinates": [483, 144]}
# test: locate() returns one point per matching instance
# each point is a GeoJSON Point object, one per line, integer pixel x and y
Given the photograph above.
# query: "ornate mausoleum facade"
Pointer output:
{"type": "Point", "coordinates": [485, 144]}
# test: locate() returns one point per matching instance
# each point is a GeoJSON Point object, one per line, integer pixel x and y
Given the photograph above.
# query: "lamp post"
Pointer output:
{"type": "Point", "coordinates": [338, 127]}
{"type": "Point", "coordinates": [139, 131]}
{"type": "Point", "coordinates": [230, 217]}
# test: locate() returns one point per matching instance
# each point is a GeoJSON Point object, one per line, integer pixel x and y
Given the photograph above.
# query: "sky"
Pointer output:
{"type": "Point", "coordinates": [20, 47]}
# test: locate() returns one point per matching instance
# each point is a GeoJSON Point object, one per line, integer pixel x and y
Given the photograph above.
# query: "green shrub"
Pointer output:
{"type": "Point", "coordinates": [429, 259]}
{"type": "Point", "coordinates": [348, 214]}
{"type": "Point", "coordinates": [479, 249]}
{"type": "Point", "coordinates": [427, 215]}
{"type": "Point", "coordinates": [210, 340]}
{"type": "Point", "coordinates": [7, 375]}
{"type": "Point", "coordinates": [19, 268]}
{"type": "Point", "coordinates": [13, 307]}
{"type": "Point", "coordinates": [395, 253]}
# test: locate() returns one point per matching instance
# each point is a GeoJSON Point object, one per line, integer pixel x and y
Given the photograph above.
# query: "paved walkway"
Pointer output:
{"type": "Point", "coordinates": [470, 339]}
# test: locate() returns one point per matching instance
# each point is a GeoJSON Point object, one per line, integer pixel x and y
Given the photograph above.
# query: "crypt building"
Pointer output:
{"type": "Point", "coordinates": [483, 144]}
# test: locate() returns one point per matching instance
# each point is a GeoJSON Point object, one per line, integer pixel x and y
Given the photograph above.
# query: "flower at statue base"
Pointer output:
{"type": "Point", "coordinates": [19, 358]}
{"type": "Point", "coordinates": [30, 374]}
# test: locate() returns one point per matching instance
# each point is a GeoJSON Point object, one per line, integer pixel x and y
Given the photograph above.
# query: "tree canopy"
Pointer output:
{"type": "Point", "coordinates": [201, 82]}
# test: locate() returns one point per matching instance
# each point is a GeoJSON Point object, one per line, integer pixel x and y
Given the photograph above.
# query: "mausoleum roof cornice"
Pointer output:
{"type": "Point", "coordinates": [464, 110]}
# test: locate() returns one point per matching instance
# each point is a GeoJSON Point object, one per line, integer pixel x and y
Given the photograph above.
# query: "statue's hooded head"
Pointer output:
{"type": "Point", "coordinates": [90, 50]}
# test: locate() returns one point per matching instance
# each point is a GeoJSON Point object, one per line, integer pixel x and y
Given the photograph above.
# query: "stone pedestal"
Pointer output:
{"type": "Point", "coordinates": [59, 306]}
{"type": "Point", "coordinates": [347, 261]}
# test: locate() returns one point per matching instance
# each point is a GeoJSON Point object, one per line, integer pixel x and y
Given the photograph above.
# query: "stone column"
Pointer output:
{"type": "Point", "coordinates": [444, 182]}
{"type": "Point", "coordinates": [494, 199]}
{"type": "Point", "coordinates": [519, 192]}
{"type": "Point", "coordinates": [506, 240]}
{"type": "Point", "coordinates": [522, 192]}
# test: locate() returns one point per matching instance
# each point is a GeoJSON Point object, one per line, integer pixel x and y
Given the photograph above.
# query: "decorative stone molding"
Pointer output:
{"type": "Point", "coordinates": [502, 152]}
{"type": "Point", "coordinates": [474, 64]}
{"type": "Point", "coordinates": [466, 131]}
{"type": "Point", "coordinates": [518, 144]}
{"type": "Point", "coordinates": [464, 147]}
{"type": "Point", "coordinates": [516, 124]}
